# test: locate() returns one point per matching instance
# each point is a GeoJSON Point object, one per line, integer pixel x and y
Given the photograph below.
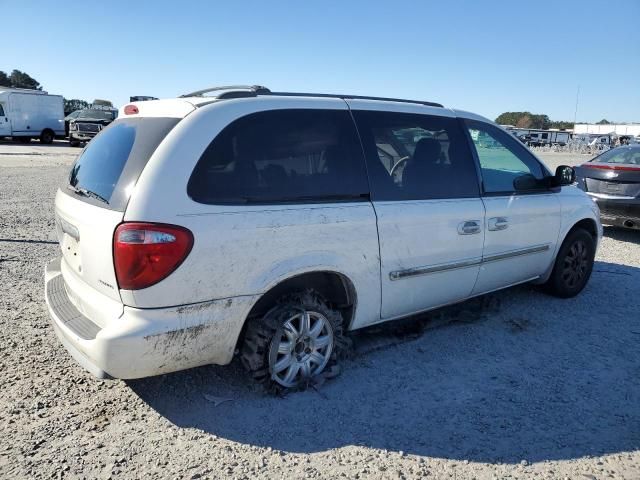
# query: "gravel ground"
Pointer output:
{"type": "Point", "coordinates": [519, 385]}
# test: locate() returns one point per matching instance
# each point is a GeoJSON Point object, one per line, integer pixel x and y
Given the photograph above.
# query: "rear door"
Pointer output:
{"type": "Point", "coordinates": [5, 126]}
{"type": "Point", "coordinates": [426, 197]}
{"type": "Point", "coordinates": [91, 203]}
{"type": "Point", "coordinates": [522, 226]}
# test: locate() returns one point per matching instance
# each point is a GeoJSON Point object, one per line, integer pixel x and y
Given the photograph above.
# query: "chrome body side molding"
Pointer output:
{"type": "Point", "coordinates": [472, 262]}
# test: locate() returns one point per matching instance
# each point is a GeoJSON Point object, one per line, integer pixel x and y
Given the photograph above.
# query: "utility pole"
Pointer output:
{"type": "Point", "coordinates": [575, 115]}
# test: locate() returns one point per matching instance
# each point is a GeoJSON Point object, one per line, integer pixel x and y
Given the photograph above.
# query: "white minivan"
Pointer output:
{"type": "Point", "coordinates": [237, 220]}
{"type": "Point", "coordinates": [27, 114]}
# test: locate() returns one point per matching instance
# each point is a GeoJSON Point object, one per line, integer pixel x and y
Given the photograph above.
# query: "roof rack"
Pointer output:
{"type": "Point", "coordinates": [239, 91]}
{"type": "Point", "coordinates": [354, 97]}
{"type": "Point", "coordinates": [230, 91]}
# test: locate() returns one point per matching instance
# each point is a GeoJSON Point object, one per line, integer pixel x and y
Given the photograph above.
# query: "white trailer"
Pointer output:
{"type": "Point", "coordinates": [538, 137]}
{"type": "Point", "coordinates": [27, 114]}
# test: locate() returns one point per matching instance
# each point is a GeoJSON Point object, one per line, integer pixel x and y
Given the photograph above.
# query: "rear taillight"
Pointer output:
{"type": "Point", "coordinates": [131, 110]}
{"type": "Point", "coordinates": [145, 253]}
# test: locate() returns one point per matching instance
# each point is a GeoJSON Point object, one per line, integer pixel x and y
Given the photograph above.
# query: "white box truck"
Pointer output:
{"type": "Point", "coordinates": [27, 114]}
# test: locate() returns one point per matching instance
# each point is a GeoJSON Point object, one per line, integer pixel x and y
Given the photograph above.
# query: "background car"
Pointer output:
{"type": "Point", "coordinates": [72, 116]}
{"type": "Point", "coordinates": [88, 123]}
{"type": "Point", "coordinates": [612, 179]}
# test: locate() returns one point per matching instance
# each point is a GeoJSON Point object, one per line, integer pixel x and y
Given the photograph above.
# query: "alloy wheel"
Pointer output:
{"type": "Point", "coordinates": [576, 264]}
{"type": "Point", "coordinates": [302, 350]}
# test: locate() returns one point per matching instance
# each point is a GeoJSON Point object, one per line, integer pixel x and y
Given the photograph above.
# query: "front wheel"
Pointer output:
{"type": "Point", "coordinates": [298, 340]}
{"type": "Point", "coordinates": [573, 265]}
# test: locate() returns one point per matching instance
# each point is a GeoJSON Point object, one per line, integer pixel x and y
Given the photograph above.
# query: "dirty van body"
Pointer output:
{"type": "Point", "coordinates": [239, 221]}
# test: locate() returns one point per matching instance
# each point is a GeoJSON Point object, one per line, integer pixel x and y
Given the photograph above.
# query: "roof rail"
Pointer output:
{"type": "Point", "coordinates": [230, 91]}
{"type": "Point", "coordinates": [239, 91]}
{"type": "Point", "coordinates": [352, 97]}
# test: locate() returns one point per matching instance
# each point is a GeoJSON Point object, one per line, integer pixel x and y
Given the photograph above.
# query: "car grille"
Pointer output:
{"type": "Point", "coordinates": [89, 127]}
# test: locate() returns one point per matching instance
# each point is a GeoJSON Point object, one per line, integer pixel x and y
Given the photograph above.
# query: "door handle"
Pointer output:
{"type": "Point", "coordinates": [469, 227]}
{"type": "Point", "coordinates": [497, 223]}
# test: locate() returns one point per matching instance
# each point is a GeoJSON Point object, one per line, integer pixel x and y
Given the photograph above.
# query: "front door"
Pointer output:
{"type": "Point", "coordinates": [523, 223]}
{"type": "Point", "coordinates": [425, 193]}
{"type": "Point", "coordinates": [5, 126]}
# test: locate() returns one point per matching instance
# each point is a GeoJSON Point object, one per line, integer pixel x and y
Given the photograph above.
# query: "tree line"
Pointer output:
{"type": "Point", "coordinates": [536, 121]}
{"type": "Point", "coordinates": [18, 79]}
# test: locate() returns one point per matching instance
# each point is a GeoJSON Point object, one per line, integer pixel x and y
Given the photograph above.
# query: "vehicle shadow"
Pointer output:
{"type": "Point", "coordinates": [622, 234]}
{"type": "Point", "coordinates": [519, 375]}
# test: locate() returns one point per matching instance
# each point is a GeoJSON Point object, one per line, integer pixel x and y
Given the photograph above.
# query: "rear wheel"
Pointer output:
{"type": "Point", "coordinates": [573, 265]}
{"type": "Point", "coordinates": [297, 341]}
{"type": "Point", "coordinates": [46, 137]}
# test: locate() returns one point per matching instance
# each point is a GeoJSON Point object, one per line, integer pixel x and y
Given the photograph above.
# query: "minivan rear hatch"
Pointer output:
{"type": "Point", "coordinates": [91, 203]}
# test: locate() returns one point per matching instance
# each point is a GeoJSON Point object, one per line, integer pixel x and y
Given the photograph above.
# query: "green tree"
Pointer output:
{"type": "Point", "coordinates": [604, 121]}
{"type": "Point", "coordinates": [528, 120]}
{"type": "Point", "coordinates": [24, 80]}
{"type": "Point", "coordinates": [540, 121]}
{"type": "Point", "coordinates": [510, 118]}
{"type": "Point", "coordinates": [524, 121]}
{"type": "Point", "coordinates": [4, 80]}
{"type": "Point", "coordinates": [73, 105]}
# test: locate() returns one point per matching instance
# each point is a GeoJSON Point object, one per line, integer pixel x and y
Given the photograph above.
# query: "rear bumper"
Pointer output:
{"type": "Point", "coordinates": [146, 342]}
{"type": "Point", "coordinates": [622, 212]}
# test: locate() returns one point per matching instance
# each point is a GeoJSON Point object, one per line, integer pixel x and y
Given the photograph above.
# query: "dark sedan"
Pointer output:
{"type": "Point", "coordinates": [612, 179]}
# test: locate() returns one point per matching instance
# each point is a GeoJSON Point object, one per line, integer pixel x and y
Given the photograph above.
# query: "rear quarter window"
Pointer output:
{"type": "Point", "coordinates": [283, 156]}
{"type": "Point", "coordinates": [111, 163]}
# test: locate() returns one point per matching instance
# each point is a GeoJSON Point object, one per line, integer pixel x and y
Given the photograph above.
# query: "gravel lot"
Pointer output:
{"type": "Point", "coordinates": [520, 385]}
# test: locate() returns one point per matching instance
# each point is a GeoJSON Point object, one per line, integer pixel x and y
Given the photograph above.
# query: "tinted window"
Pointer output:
{"type": "Point", "coordinates": [502, 158]}
{"type": "Point", "coordinates": [1, 111]}
{"type": "Point", "coordinates": [416, 156]}
{"type": "Point", "coordinates": [114, 159]}
{"type": "Point", "coordinates": [282, 156]}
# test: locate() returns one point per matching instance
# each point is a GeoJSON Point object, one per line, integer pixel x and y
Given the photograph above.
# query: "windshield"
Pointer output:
{"type": "Point", "coordinates": [110, 165]}
{"type": "Point", "coordinates": [97, 114]}
{"type": "Point", "coordinates": [629, 155]}
{"type": "Point", "coordinates": [72, 115]}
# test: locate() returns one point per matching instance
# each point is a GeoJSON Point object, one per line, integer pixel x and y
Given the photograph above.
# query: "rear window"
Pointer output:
{"type": "Point", "coordinates": [283, 156]}
{"type": "Point", "coordinates": [111, 163]}
{"type": "Point", "coordinates": [628, 155]}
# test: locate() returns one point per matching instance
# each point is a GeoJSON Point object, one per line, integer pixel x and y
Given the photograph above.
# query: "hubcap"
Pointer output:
{"type": "Point", "coordinates": [575, 265]}
{"type": "Point", "coordinates": [303, 349]}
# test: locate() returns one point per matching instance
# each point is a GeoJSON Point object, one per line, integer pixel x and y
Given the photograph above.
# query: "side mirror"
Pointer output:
{"type": "Point", "coordinates": [525, 182]}
{"type": "Point", "coordinates": [565, 175]}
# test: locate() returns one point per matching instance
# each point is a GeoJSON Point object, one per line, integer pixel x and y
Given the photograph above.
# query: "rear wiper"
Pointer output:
{"type": "Point", "coordinates": [87, 193]}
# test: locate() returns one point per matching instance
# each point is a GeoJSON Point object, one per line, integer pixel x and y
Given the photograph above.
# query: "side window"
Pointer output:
{"type": "Point", "coordinates": [283, 156]}
{"type": "Point", "coordinates": [502, 158]}
{"type": "Point", "coordinates": [414, 157]}
{"type": "Point", "coordinates": [1, 111]}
